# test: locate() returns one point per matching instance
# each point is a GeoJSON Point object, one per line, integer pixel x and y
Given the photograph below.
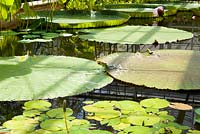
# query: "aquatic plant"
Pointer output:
{"type": "Point", "coordinates": [148, 116]}
{"type": "Point", "coordinates": [163, 69]}
{"type": "Point", "coordinates": [39, 118]}
{"type": "Point", "coordinates": [42, 77]}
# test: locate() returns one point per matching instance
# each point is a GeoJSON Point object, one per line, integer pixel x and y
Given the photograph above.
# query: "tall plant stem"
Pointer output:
{"type": "Point", "coordinates": [65, 117]}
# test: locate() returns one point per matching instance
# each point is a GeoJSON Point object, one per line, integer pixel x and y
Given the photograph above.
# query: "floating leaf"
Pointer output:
{"type": "Point", "coordinates": [138, 130]}
{"type": "Point", "coordinates": [146, 120]}
{"type": "Point", "coordinates": [58, 113]}
{"type": "Point", "coordinates": [31, 113]}
{"type": "Point", "coordinates": [154, 103]}
{"type": "Point", "coordinates": [43, 77]}
{"type": "Point", "coordinates": [27, 124]}
{"type": "Point", "coordinates": [128, 105]}
{"type": "Point", "coordinates": [165, 69]}
{"type": "Point", "coordinates": [80, 19]}
{"type": "Point", "coordinates": [37, 104]}
{"type": "Point", "coordinates": [103, 104]}
{"type": "Point", "coordinates": [53, 125]}
{"type": "Point", "coordinates": [136, 35]}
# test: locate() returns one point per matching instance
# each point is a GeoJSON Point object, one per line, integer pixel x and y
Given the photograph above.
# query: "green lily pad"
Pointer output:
{"type": "Point", "coordinates": [27, 124]}
{"type": "Point", "coordinates": [83, 19]}
{"type": "Point", "coordinates": [30, 36]}
{"type": "Point", "coordinates": [135, 35]}
{"type": "Point", "coordinates": [164, 69]}
{"type": "Point", "coordinates": [129, 105]}
{"type": "Point", "coordinates": [58, 113]}
{"type": "Point", "coordinates": [31, 113]}
{"type": "Point", "coordinates": [103, 104]}
{"type": "Point", "coordinates": [146, 120]}
{"type": "Point", "coordinates": [53, 125]}
{"type": "Point", "coordinates": [138, 130]}
{"type": "Point", "coordinates": [37, 104]}
{"type": "Point", "coordinates": [154, 103]}
{"type": "Point", "coordinates": [43, 77]}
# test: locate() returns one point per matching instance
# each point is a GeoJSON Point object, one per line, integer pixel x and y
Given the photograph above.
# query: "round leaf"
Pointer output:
{"type": "Point", "coordinates": [136, 35]}
{"type": "Point", "coordinates": [43, 77]}
{"type": "Point", "coordinates": [154, 103]}
{"type": "Point", "coordinates": [37, 104]}
{"type": "Point", "coordinates": [164, 69]}
{"type": "Point", "coordinates": [59, 113]}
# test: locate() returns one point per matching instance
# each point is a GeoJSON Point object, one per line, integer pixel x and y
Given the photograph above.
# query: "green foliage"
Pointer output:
{"type": "Point", "coordinates": [8, 8]}
{"type": "Point", "coordinates": [133, 117]}
{"type": "Point", "coordinates": [44, 123]}
{"type": "Point", "coordinates": [158, 70]}
{"type": "Point", "coordinates": [33, 77]}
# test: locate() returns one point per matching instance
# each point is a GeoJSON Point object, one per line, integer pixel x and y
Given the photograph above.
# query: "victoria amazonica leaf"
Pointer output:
{"type": "Point", "coordinates": [164, 69]}
{"type": "Point", "coordinates": [43, 77]}
{"type": "Point", "coordinates": [135, 35]}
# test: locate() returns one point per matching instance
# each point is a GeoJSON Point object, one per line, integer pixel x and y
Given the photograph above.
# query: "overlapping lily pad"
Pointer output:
{"type": "Point", "coordinates": [82, 19]}
{"type": "Point", "coordinates": [164, 69]}
{"type": "Point", "coordinates": [42, 77]}
{"type": "Point", "coordinates": [136, 35]}
{"type": "Point", "coordinates": [135, 120]}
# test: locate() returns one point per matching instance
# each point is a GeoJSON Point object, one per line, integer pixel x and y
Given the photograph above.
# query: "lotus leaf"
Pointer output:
{"type": "Point", "coordinates": [136, 35]}
{"type": "Point", "coordinates": [58, 112]}
{"type": "Point", "coordinates": [100, 132]}
{"type": "Point", "coordinates": [42, 77]}
{"type": "Point", "coordinates": [146, 120]}
{"type": "Point", "coordinates": [37, 104]}
{"type": "Point", "coordinates": [31, 113]}
{"type": "Point", "coordinates": [154, 103]}
{"type": "Point", "coordinates": [138, 130]}
{"type": "Point", "coordinates": [165, 69]}
{"type": "Point", "coordinates": [91, 108]}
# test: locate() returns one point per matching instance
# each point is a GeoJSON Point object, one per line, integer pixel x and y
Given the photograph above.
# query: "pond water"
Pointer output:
{"type": "Point", "coordinates": [73, 46]}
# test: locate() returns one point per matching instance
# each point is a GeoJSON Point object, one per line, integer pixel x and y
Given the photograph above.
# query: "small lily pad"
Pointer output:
{"type": "Point", "coordinates": [53, 125]}
{"type": "Point", "coordinates": [58, 113]}
{"type": "Point", "coordinates": [37, 104]}
{"type": "Point", "coordinates": [154, 103]}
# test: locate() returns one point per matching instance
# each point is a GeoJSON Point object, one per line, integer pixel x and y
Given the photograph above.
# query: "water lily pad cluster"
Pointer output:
{"type": "Point", "coordinates": [130, 117]}
{"type": "Point", "coordinates": [39, 118]}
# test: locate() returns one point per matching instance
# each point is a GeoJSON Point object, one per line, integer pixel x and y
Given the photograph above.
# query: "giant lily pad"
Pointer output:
{"type": "Point", "coordinates": [43, 77]}
{"type": "Point", "coordinates": [164, 69]}
{"type": "Point", "coordinates": [67, 19]}
{"type": "Point", "coordinates": [136, 35]}
{"type": "Point", "coordinates": [141, 10]}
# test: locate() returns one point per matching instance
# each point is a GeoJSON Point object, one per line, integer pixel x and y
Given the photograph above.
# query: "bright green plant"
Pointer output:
{"type": "Point", "coordinates": [39, 118]}
{"type": "Point", "coordinates": [148, 116]}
